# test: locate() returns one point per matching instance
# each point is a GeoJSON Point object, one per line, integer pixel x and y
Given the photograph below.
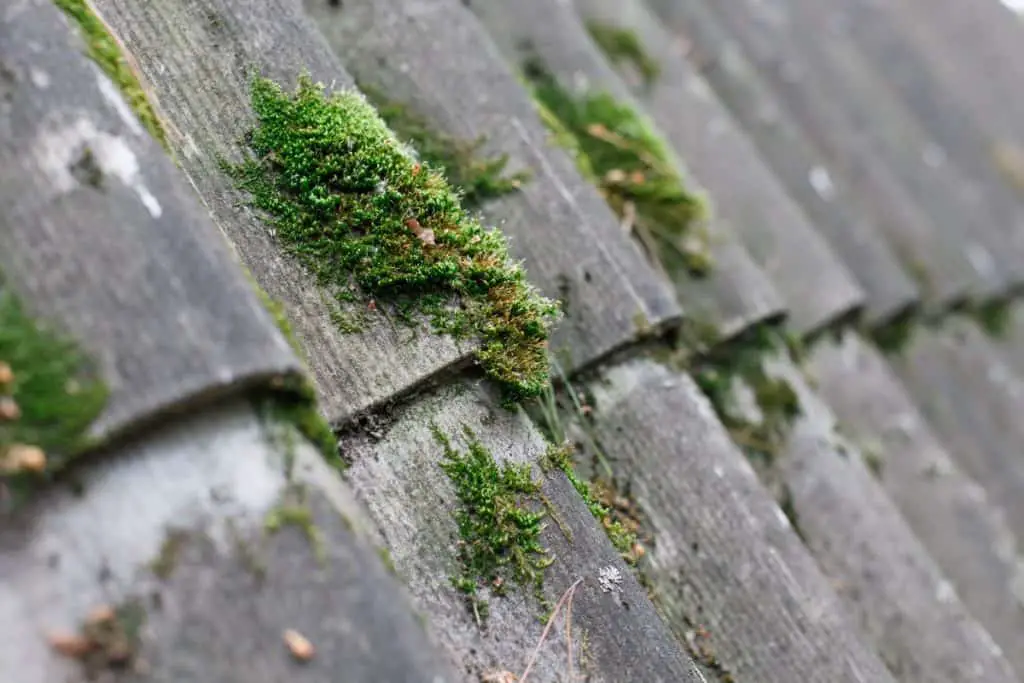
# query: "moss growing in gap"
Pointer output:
{"type": "Point", "coordinates": [499, 533]}
{"type": "Point", "coordinates": [49, 396]}
{"type": "Point", "coordinates": [292, 399]}
{"type": "Point", "coordinates": [622, 46]}
{"type": "Point", "coordinates": [893, 336]}
{"type": "Point", "coordinates": [778, 404]}
{"type": "Point", "coordinates": [106, 51]}
{"type": "Point", "coordinates": [631, 168]}
{"type": "Point", "coordinates": [345, 197]}
{"type": "Point", "coordinates": [994, 316]}
{"type": "Point", "coordinates": [477, 178]}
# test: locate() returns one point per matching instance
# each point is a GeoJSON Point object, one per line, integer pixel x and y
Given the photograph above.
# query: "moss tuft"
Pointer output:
{"type": "Point", "coordinates": [892, 337]}
{"type": "Point", "coordinates": [345, 197]}
{"type": "Point", "coordinates": [499, 535]}
{"type": "Point", "coordinates": [105, 50]}
{"type": "Point", "coordinates": [478, 179]}
{"type": "Point", "coordinates": [631, 168]}
{"type": "Point", "coordinates": [994, 316]}
{"type": "Point", "coordinates": [778, 404]}
{"type": "Point", "coordinates": [623, 46]}
{"type": "Point", "coordinates": [49, 396]}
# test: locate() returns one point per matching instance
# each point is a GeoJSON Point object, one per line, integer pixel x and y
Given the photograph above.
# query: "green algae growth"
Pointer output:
{"type": "Point", "coordinates": [499, 533]}
{"type": "Point", "coordinates": [48, 396]}
{"type": "Point", "coordinates": [622, 46]}
{"type": "Point", "coordinates": [477, 178]}
{"type": "Point", "coordinates": [104, 49]}
{"type": "Point", "coordinates": [347, 198]}
{"type": "Point", "coordinates": [631, 167]}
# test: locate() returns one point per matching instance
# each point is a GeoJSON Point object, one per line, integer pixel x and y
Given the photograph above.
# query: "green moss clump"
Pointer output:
{"type": "Point", "coordinates": [49, 395]}
{"type": "Point", "coordinates": [345, 197]}
{"type": "Point", "coordinates": [631, 168]}
{"type": "Point", "coordinates": [994, 316]}
{"type": "Point", "coordinates": [500, 535]}
{"type": "Point", "coordinates": [105, 50]}
{"type": "Point", "coordinates": [623, 46]}
{"type": "Point", "coordinates": [477, 178]}
{"type": "Point", "coordinates": [778, 403]}
{"type": "Point", "coordinates": [893, 336]}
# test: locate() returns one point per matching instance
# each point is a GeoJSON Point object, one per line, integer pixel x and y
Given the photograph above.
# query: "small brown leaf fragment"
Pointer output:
{"type": "Point", "coordinates": [103, 614]}
{"type": "Point", "coordinates": [9, 410]}
{"type": "Point", "coordinates": [6, 374]}
{"type": "Point", "coordinates": [70, 645]}
{"type": "Point", "coordinates": [298, 645]}
{"type": "Point", "coordinates": [499, 677]}
{"type": "Point", "coordinates": [22, 458]}
{"type": "Point", "coordinates": [425, 235]}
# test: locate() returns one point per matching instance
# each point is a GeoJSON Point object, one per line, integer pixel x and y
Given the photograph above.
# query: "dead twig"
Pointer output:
{"type": "Point", "coordinates": [566, 597]}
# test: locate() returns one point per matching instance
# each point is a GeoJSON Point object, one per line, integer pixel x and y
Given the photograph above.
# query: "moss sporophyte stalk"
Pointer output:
{"type": "Point", "coordinates": [48, 397]}
{"type": "Point", "coordinates": [347, 198]}
{"type": "Point", "coordinates": [105, 50]}
{"type": "Point", "coordinates": [499, 533]}
{"type": "Point", "coordinates": [616, 149]}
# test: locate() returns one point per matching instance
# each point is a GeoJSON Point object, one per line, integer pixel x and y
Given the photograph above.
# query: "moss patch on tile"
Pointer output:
{"type": "Point", "coordinates": [106, 51]}
{"type": "Point", "coordinates": [499, 522]}
{"type": "Point", "coordinates": [632, 169]}
{"type": "Point", "coordinates": [893, 336]}
{"type": "Point", "coordinates": [49, 397]}
{"type": "Point", "coordinates": [738, 364]}
{"type": "Point", "coordinates": [476, 177]}
{"type": "Point", "coordinates": [994, 316]}
{"type": "Point", "coordinates": [622, 46]}
{"type": "Point", "coordinates": [347, 198]}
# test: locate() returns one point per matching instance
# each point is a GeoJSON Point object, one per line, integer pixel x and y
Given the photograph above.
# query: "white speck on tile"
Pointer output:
{"type": "Point", "coordinates": [821, 181]}
{"type": "Point", "coordinates": [40, 78]}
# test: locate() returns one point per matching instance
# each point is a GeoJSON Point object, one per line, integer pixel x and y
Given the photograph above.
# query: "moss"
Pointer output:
{"type": "Point", "coordinates": [170, 551]}
{"type": "Point", "coordinates": [477, 178]}
{"type": "Point", "coordinates": [994, 316]}
{"type": "Point", "coordinates": [297, 514]}
{"type": "Point", "coordinates": [631, 168]}
{"type": "Point", "coordinates": [623, 46]}
{"type": "Point", "coordinates": [893, 336]}
{"type": "Point", "coordinates": [105, 50]}
{"type": "Point", "coordinates": [873, 461]}
{"type": "Point", "coordinates": [345, 197]}
{"type": "Point", "coordinates": [622, 532]}
{"type": "Point", "coordinates": [49, 397]}
{"type": "Point", "coordinates": [742, 359]}
{"type": "Point", "coordinates": [292, 399]}
{"type": "Point", "coordinates": [499, 534]}
{"type": "Point", "coordinates": [385, 558]}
